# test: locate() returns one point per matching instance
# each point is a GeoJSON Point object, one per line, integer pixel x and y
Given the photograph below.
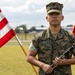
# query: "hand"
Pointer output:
{"type": "Point", "coordinates": [59, 61]}
{"type": "Point", "coordinates": [46, 68]}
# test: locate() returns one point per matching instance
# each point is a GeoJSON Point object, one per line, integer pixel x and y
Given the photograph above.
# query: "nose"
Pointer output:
{"type": "Point", "coordinates": [54, 16]}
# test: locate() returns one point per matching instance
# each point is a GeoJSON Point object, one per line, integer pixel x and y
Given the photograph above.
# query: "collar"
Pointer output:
{"type": "Point", "coordinates": [49, 34]}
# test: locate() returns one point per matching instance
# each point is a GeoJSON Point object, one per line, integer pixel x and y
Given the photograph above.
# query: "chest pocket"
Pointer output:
{"type": "Point", "coordinates": [63, 46]}
{"type": "Point", "coordinates": [45, 45]}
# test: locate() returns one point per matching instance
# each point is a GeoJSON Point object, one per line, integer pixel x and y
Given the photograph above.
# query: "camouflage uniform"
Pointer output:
{"type": "Point", "coordinates": [48, 48]}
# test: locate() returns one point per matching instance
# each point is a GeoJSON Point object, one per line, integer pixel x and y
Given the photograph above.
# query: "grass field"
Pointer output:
{"type": "Point", "coordinates": [23, 37]}
{"type": "Point", "coordinates": [13, 60]}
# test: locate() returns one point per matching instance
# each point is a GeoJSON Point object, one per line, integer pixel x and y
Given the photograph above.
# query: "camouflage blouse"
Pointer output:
{"type": "Point", "coordinates": [48, 48]}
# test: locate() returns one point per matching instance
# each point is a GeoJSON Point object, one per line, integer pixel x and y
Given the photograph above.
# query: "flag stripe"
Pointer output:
{"type": "Point", "coordinates": [3, 23]}
{"type": "Point", "coordinates": [4, 30]}
{"type": "Point", "coordinates": [7, 37]}
{"type": "Point", "coordinates": [1, 16]}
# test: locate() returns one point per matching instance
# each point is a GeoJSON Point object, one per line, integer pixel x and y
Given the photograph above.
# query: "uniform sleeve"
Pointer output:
{"type": "Point", "coordinates": [32, 47]}
{"type": "Point", "coordinates": [34, 44]}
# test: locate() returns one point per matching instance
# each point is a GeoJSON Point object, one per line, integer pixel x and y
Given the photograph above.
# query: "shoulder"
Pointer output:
{"type": "Point", "coordinates": [40, 35]}
{"type": "Point", "coordinates": [70, 36]}
{"type": "Point", "coordinates": [37, 38]}
{"type": "Point", "coordinates": [66, 32]}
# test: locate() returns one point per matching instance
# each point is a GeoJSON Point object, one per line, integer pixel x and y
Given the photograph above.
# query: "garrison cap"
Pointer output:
{"type": "Point", "coordinates": [54, 7]}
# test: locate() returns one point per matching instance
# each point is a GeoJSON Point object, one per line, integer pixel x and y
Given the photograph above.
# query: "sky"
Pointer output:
{"type": "Point", "coordinates": [33, 12]}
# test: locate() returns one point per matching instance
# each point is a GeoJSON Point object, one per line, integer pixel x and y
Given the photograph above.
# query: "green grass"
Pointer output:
{"type": "Point", "coordinates": [73, 69]}
{"type": "Point", "coordinates": [13, 61]}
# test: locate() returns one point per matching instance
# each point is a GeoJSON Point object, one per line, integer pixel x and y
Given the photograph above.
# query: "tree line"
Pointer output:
{"type": "Point", "coordinates": [23, 28]}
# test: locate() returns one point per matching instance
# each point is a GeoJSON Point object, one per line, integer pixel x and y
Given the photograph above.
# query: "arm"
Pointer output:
{"type": "Point", "coordinates": [59, 61]}
{"type": "Point", "coordinates": [31, 58]}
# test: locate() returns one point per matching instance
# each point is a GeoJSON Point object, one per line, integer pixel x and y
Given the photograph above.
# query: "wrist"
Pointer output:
{"type": "Point", "coordinates": [41, 65]}
{"type": "Point", "coordinates": [66, 62]}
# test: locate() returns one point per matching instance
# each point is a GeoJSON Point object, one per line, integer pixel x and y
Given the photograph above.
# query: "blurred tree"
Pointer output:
{"type": "Point", "coordinates": [33, 28]}
{"type": "Point", "coordinates": [21, 29]}
{"type": "Point", "coordinates": [17, 30]}
{"type": "Point", "coordinates": [42, 26]}
{"type": "Point", "coordinates": [70, 25]}
{"type": "Point", "coordinates": [25, 30]}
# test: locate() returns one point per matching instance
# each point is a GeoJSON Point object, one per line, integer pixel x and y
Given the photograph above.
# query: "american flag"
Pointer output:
{"type": "Point", "coordinates": [6, 32]}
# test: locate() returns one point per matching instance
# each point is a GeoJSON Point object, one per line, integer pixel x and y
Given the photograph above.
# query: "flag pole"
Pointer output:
{"type": "Point", "coordinates": [24, 51]}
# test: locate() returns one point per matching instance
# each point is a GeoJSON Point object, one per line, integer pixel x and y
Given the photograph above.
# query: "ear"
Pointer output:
{"type": "Point", "coordinates": [47, 17]}
{"type": "Point", "coordinates": [62, 17]}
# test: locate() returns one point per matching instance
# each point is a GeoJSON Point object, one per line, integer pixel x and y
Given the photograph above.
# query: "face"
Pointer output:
{"type": "Point", "coordinates": [54, 18]}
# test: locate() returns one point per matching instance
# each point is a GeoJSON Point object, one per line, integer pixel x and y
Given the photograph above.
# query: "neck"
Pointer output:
{"type": "Point", "coordinates": [55, 29]}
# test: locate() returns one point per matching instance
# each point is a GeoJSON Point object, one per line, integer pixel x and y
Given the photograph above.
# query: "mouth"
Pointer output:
{"type": "Point", "coordinates": [54, 20]}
